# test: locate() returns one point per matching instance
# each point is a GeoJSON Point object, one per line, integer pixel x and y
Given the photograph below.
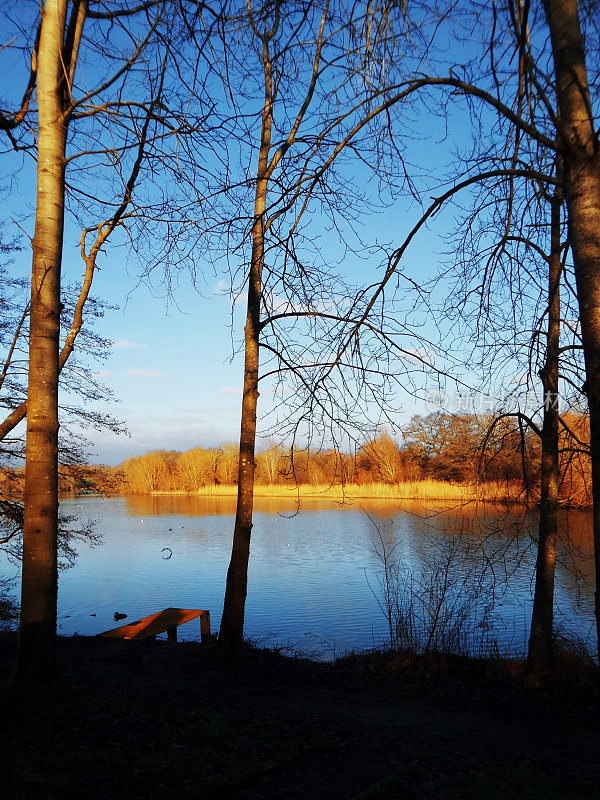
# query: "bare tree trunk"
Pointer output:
{"type": "Point", "coordinates": [581, 159]}
{"type": "Point", "coordinates": [232, 623]}
{"type": "Point", "coordinates": [231, 632]}
{"type": "Point", "coordinates": [540, 656]}
{"type": "Point", "coordinates": [37, 634]}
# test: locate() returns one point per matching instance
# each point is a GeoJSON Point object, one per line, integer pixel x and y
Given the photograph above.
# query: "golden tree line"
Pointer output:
{"type": "Point", "coordinates": [465, 449]}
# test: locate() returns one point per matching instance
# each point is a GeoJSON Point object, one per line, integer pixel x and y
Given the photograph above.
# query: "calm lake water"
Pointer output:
{"type": "Point", "coordinates": [315, 578]}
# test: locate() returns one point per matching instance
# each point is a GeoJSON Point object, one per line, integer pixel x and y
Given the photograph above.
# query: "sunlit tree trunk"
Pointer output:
{"type": "Point", "coordinates": [36, 651]}
{"type": "Point", "coordinates": [581, 158]}
{"type": "Point", "coordinates": [542, 620]}
{"type": "Point", "coordinates": [231, 632]}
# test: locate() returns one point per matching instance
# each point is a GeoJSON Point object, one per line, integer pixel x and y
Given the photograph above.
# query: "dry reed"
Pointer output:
{"type": "Point", "coordinates": [409, 490]}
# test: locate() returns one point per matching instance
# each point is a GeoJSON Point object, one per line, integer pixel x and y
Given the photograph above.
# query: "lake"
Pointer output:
{"type": "Point", "coordinates": [316, 575]}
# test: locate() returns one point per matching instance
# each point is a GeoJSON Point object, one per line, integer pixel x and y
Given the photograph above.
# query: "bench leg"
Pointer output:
{"type": "Point", "coordinates": [205, 626]}
{"type": "Point", "coordinates": [172, 635]}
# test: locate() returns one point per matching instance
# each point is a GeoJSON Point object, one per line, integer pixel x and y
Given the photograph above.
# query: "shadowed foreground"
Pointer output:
{"type": "Point", "coordinates": [148, 719]}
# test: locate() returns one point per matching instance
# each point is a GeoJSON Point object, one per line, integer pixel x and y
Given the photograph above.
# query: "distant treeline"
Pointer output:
{"type": "Point", "coordinates": [458, 449]}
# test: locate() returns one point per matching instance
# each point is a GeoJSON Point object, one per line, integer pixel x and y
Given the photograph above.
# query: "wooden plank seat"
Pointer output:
{"type": "Point", "coordinates": [163, 621]}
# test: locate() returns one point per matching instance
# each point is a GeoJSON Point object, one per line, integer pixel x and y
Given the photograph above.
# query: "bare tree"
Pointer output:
{"type": "Point", "coordinates": [559, 115]}
{"type": "Point", "coordinates": [540, 655]}
{"type": "Point", "coordinates": [122, 92]}
{"type": "Point", "coordinates": [531, 119]}
{"type": "Point", "coordinates": [39, 576]}
{"type": "Point", "coordinates": [329, 74]}
{"type": "Point", "coordinates": [581, 158]}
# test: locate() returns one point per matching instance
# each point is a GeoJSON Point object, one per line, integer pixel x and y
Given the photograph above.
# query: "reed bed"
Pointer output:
{"type": "Point", "coordinates": [408, 490]}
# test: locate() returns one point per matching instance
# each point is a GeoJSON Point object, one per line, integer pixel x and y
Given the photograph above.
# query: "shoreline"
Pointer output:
{"type": "Point", "coordinates": [337, 496]}
{"type": "Point", "coordinates": [423, 491]}
{"type": "Point", "coordinates": [267, 726]}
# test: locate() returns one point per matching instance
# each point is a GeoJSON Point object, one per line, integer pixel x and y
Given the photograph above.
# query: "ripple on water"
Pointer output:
{"type": "Point", "coordinates": [314, 575]}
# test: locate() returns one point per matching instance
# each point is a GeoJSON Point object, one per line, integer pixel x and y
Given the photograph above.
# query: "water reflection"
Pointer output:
{"type": "Point", "coordinates": [313, 574]}
{"type": "Point", "coordinates": [198, 506]}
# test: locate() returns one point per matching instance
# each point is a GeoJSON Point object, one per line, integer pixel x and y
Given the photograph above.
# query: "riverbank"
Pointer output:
{"type": "Point", "coordinates": [426, 490]}
{"type": "Point", "coordinates": [146, 719]}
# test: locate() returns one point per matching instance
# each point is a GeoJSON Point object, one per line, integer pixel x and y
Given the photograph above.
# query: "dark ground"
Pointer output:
{"type": "Point", "coordinates": [148, 719]}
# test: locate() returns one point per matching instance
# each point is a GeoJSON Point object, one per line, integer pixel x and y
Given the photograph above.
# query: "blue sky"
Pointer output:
{"type": "Point", "coordinates": [168, 368]}
{"type": "Point", "coordinates": [170, 365]}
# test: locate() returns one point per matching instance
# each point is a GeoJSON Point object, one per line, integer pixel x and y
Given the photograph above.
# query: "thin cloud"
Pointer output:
{"type": "Point", "coordinates": [229, 390]}
{"type": "Point", "coordinates": [103, 373]}
{"type": "Point", "coordinates": [184, 427]}
{"type": "Point", "coordinates": [123, 344]}
{"type": "Point", "coordinates": [144, 373]}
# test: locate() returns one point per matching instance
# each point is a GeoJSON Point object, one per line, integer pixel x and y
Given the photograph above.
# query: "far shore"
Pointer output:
{"type": "Point", "coordinates": [427, 490]}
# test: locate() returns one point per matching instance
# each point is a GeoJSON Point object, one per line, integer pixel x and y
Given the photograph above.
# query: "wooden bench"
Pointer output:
{"type": "Point", "coordinates": [166, 621]}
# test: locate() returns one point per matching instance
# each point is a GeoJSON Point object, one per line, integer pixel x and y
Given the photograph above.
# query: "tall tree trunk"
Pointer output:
{"type": "Point", "coordinates": [37, 633]}
{"type": "Point", "coordinates": [581, 156]}
{"type": "Point", "coordinates": [540, 655]}
{"type": "Point", "coordinates": [231, 632]}
{"type": "Point", "coordinates": [581, 161]}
